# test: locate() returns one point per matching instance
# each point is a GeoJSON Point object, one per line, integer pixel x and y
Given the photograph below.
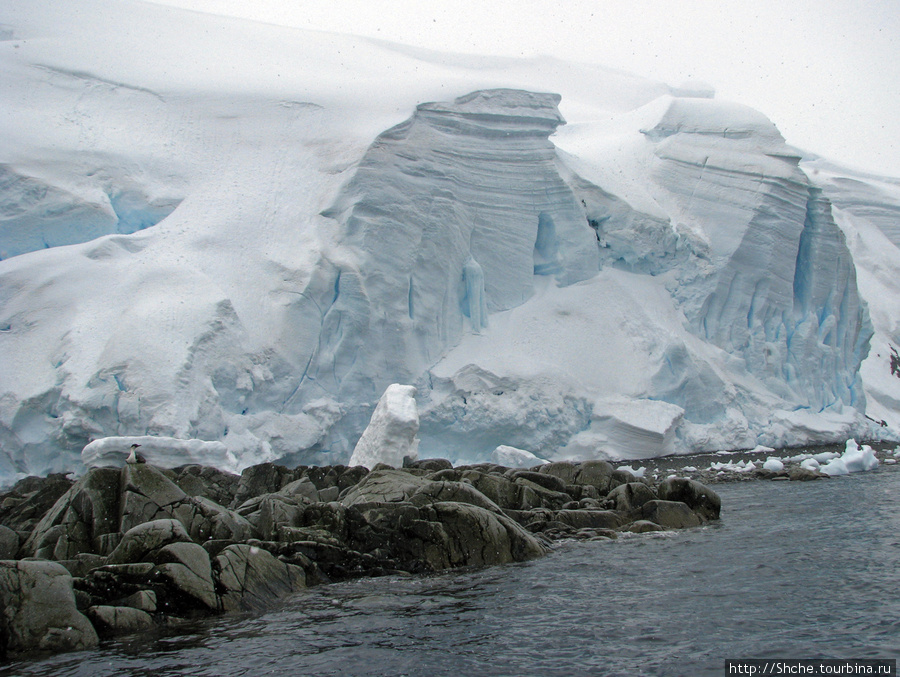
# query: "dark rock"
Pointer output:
{"type": "Point", "coordinates": [143, 539]}
{"type": "Point", "coordinates": [548, 497]}
{"type": "Point", "coordinates": [385, 486]}
{"type": "Point", "coordinates": [110, 621]}
{"type": "Point", "coordinates": [432, 464]}
{"type": "Point", "coordinates": [79, 519]}
{"type": "Point", "coordinates": [305, 489]}
{"type": "Point", "coordinates": [9, 543]}
{"type": "Point", "coordinates": [207, 482]}
{"type": "Point", "coordinates": [798, 474]}
{"type": "Point", "coordinates": [456, 492]}
{"type": "Point", "coordinates": [252, 579]}
{"type": "Point", "coordinates": [700, 498]}
{"type": "Point", "coordinates": [184, 570]}
{"type": "Point", "coordinates": [619, 477]}
{"type": "Point", "coordinates": [564, 470]}
{"type": "Point", "coordinates": [145, 600]}
{"type": "Point", "coordinates": [672, 514]}
{"type": "Point", "coordinates": [630, 496]}
{"type": "Point", "coordinates": [351, 477]}
{"type": "Point", "coordinates": [265, 478]}
{"type": "Point", "coordinates": [23, 506]}
{"type": "Point", "coordinates": [545, 480]}
{"type": "Point", "coordinates": [597, 474]}
{"type": "Point", "coordinates": [643, 527]}
{"type": "Point", "coordinates": [39, 611]}
{"type": "Point", "coordinates": [590, 519]}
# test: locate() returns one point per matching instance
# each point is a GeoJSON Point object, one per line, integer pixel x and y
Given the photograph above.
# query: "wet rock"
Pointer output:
{"type": "Point", "coordinates": [38, 609]}
{"type": "Point", "coordinates": [265, 478]}
{"type": "Point", "coordinates": [798, 474]}
{"type": "Point", "coordinates": [590, 519]}
{"type": "Point", "coordinates": [110, 621]}
{"type": "Point", "coordinates": [432, 464]}
{"type": "Point", "coordinates": [630, 496]}
{"type": "Point", "coordinates": [548, 498]}
{"type": "Point", "coordinates": [456, 492]}
{"type": "Point", "coordinates": [79, 518]}
{"type": "Point", "coordinates": [302, 488]}
{"type": "Point", "coordinates": [145, 600]}
{"type": "Point", "coordinates": [385, 486]}
{"type": "Point", "coordinates": [252, 579]}
{"type": "Point", "coordinates": [9, 543]}
{"type": "Point", "coordinates": [207, 482]}
{"type": "Point", "coordinates": [643, 527]}
{"type": "Point", "coordinates": [700, 498]}
{"type": "Point", "coordinates": [545, 480]}
{"type": "Point", "coordinates": [269, 513]}
{"type": "Point", "coordinates": [671, 514]}
{"type": "Point", "coordinates": [185, 571]}
{"type": "Point", "coordinates": [23, 506]}
{"type": "Point", "coordinates": [140, 541]}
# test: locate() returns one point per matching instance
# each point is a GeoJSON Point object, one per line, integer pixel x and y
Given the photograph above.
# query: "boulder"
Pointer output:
{"type": "Point", "coordinates": [252, 579]}
{"type": "Point", "coordinates": [671, 514]}
{"type": "Point", "coordinates": [643, 527]}
{"type": "Point", "coordinates": [544, 480]}
{"type": "Point", "coordinates": [138, 542]}
{"type": "Point", "coordinates": [630, 496]}
{"type": "Point", "coordinates": [78, 520]}
{"type": "Point", "coordinates": [119, 620]}
{"type": "Point", "coordinates": [590, 519]}
{"type": "Point", "coordinates": [455, 492]}
{"type": "Point", "coordinates": [798, 474]}
{"type": "Point", "coordinates": [23, 506]}
{"type": "Point", "coordinates": [9, 543]}
{"type": "Point", "coordinates": [700, 498]}
{"type": "Point", "coordinates": [38, 609]}
{"type": "Point", "coordinates": [184, 570]}
{"type": "Point", "coordinates": [265, 478]}
{"type": "Point", "coordinates": [385, 486]}
{"type": "Point", "coordinates": [207, 482]}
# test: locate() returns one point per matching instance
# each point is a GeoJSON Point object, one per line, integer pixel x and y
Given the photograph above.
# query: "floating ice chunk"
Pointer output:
{"type": "Point", "coordinates": [825, 456]}
{"type": "Point", "coordinates": [391, 434]}
{"type": "Point", "coordinates": [773, 464]}
{"type": "Point", "coordinates": [165, 452]}
{"type": "Point", "coordinates": [637, 473]}
{"type": "Point", "coordinates": [689, 468]}
{"type": "Point", "coordinates": [854, 459]}
{"type": "Point", "coordinates": [810, 464]}
{"type": "Point", "coordinates": [835, 466]}
{"type": "Point", "coordinates": [761, 449]}
{"type": "Point", "coordinates": [859, 459]}
{"type": "Point", "coordinates": [511, 457]}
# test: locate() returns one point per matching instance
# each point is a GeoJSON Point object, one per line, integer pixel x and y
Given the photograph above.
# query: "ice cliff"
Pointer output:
{"type": "Point", "coordinates": [253, 269]}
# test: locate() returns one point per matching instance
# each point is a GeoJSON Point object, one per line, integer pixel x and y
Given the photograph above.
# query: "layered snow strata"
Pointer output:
{"type": "Point", "coordinates": [449, 217]}
{"type": "Point", "coordinates": [390, 437]}
{"type": "Point", "coordinates": [776, 284]}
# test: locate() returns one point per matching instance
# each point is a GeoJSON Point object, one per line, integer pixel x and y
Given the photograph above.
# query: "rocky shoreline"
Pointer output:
{"type": "Point", "coordinates": [125, 550]}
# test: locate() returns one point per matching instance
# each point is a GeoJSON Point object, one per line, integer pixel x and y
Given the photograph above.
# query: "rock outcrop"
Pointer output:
{"type": "Point", "coordinates": [125, 549]}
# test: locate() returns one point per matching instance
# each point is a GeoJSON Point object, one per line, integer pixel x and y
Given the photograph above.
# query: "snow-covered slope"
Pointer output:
{"type": "Point", "coordinates": [246, 236]}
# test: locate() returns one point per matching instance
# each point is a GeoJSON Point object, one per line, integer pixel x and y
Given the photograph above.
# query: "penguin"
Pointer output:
{"type": "Point", "coordinates": [135, 457]}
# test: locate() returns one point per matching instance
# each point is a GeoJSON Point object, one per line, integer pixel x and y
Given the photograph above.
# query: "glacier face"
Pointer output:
{"type": "Point", "coordinates": [670, 278]}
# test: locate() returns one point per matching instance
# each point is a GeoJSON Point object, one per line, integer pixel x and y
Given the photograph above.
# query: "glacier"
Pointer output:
{"type": "Point", "coordinates": [568, 261]}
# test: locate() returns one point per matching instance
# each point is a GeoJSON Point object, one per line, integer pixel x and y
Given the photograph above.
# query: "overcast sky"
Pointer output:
{"type": "Point", "coordinates": [827, 72]}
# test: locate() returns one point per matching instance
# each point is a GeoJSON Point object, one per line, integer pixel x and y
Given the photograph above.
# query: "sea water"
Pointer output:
{"type": "Point", "coordinates": [793, 570]}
